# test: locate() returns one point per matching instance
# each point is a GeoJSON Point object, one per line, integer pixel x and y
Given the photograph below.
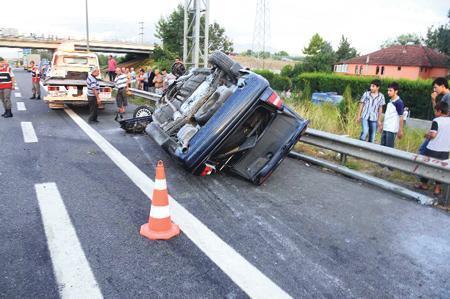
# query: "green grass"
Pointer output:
{"type": "Point", "coordinates": [138, 101]}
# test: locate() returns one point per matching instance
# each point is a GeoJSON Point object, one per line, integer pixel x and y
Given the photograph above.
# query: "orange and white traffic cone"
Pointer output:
{"type": "Point", "coordinates": [160, 226]}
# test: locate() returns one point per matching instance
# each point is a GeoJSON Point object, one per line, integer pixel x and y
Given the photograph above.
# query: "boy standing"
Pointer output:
{"type": "Point", "coordinates": [370, 110]}
{"type": "Point", "coordinates": [439, 144]}
{"type": "Point", "coordinates": [393, 118]}
{"type": "Point", "coordinates": [440, 88]}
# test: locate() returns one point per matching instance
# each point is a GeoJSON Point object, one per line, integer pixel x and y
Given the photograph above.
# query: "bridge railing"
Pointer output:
{"type": "Point", "coordinates": [410, 163]}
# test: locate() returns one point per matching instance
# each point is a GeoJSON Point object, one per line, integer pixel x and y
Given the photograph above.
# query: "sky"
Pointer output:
{"type": "Point", "coordinates": [367, 24]}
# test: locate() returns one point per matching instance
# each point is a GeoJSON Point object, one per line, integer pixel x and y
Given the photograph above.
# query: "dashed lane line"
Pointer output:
{"type": "Point", "coordinates": [21, 106]}
{"type": "Point", "coordinates": [243, 273]}
{"type": "Point", "coordinates": [29, 136]}
{"type": "Point", "coordinates": [72, 271]}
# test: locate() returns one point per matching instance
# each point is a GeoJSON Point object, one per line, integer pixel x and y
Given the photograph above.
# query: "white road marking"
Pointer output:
{"type": "Point", "coordinates": [17, 95]}
{"type": "Point", "coordinates": [29, 136]}
{"type": "Point", "coordinates": [21, 106]}
{"type": "Point", "coordinates": [71, 268]}
{"type": "Point", "coordinates": [243, 273]}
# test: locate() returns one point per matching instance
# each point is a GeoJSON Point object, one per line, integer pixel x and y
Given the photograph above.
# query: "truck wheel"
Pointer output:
{"type": "Point", "coordinates": [225, 63]}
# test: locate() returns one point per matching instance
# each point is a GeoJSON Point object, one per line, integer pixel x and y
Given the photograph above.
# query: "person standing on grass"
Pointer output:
{"type": "Point", "coordinates": [140, 79]}
{"type": "Point", "coordinates": [392, 126]}
{"type": "Point", "coordinates": [93, 93]}
{"type": "Point", "coordinates": [121, 83]}
{"type": "Point", "coordinates": [370, 111]}
{"type": "Point", "coordinates": [151, 76]}
{"type": "Point", "coordinates": [440, 89]}
{"type": "Point", "coordinates": [112, 65]}
{"type": "Point", "coordinates": [133, 77]}
{"type": "Point", "coordinates": [439, 145]}
{"type": "Point", "coordinates": [158, 82]}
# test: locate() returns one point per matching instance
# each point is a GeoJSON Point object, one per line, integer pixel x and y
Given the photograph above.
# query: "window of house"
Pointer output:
{"type": "Point", "coordinates": [382, 70]}
{"type": "Point", "coordinates": [356, 69]}
{"type": "Point", "coordinates": [399, 68]}
{"type": "Point", "coordinates": [421, 69]}
{"type": "Point", "coordinates": [377, 71]}
{"type": "Point", "coordinates": [360, 69]}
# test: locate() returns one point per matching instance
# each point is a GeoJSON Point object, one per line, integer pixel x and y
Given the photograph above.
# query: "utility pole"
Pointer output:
{"type": "Point", "coordinates": [194, 11]}
{"type": "Point", "coordinates": [261, 33]}
{"type": "Point", "coordinates": [141, 32]}
{"type": "Point", "coordinates": [87, 27]}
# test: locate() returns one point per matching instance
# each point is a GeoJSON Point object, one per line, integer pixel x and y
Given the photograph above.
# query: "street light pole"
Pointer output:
{"type": "Point", "coordinates": [87, 27]}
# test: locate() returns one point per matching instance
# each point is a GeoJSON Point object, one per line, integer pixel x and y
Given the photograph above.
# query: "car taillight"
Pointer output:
{"type": "Point", "coordinates": [207, 170]}
{"type": "Point", "coordinates": [275, 100]}
{"type": "Point", "coordinates": [53, 91]}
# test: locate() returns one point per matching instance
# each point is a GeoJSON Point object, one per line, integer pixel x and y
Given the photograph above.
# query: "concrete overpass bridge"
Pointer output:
{"type": "Point", "coordinates": [76, 45]}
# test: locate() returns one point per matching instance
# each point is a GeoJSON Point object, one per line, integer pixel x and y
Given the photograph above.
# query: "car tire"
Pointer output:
{"type": "Point", "coordinates": [225, 63]}
{"type": "Point", "coordinates": [143, 111]}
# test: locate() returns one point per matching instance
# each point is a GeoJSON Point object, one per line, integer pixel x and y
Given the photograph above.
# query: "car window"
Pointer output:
{"type": "Point", "coordinates": [75, 60]}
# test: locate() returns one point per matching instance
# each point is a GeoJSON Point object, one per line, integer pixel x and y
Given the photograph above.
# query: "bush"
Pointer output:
{"type": "Point", "coordinates": [414, 93]}
{"type": "Point", "coordinates": [276, 81]}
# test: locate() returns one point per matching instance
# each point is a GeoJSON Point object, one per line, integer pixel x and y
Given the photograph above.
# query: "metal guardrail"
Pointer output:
{"type": "Point", "coordinates": [145, 94]}
{"type": "Point", "coordinates": [411, 163]}
{"type": "Point", "coordinates": [407, 162]}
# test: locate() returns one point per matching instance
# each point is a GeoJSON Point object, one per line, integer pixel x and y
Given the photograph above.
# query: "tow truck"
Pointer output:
{"type": "Point", "coordinates": [66, 81]}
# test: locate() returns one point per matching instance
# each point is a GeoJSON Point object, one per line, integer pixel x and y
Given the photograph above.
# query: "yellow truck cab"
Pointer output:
{"type": "Point", "coordinates": [66, 80]}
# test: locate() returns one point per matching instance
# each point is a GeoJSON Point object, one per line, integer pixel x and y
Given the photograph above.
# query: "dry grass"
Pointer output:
{"type": "Point", "coordinates": [269, 64]}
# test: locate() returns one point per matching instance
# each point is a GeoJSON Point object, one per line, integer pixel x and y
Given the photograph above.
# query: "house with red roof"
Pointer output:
{"type": "Point", "coordinates": [409, 62]}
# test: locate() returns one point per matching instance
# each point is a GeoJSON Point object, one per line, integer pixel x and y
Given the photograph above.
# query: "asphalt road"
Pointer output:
{"type": "Point", "coordinates": [311, 232]}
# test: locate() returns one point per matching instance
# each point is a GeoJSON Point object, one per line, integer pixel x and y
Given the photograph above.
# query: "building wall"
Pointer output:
{"type": "Point", "coordinates": [439, 72]}
{"type": "Point", "coordinates": [391, 71]}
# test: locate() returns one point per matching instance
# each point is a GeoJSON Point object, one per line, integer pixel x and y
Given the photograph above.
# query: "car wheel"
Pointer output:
{"type": "Point", "coordinates": [225, 63]}
{"type": "Point", "coordinates": [143, 111]}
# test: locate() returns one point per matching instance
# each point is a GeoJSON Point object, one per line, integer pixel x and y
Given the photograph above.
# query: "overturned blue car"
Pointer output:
{"type": "Point", "coordinates": [224, 118]}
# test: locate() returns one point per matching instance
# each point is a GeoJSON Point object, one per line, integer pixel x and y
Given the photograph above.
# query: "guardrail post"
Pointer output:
{"type": "Point", "coordinates": [447, 194]}
{"type": "Point", "coordinates": [343, 159]}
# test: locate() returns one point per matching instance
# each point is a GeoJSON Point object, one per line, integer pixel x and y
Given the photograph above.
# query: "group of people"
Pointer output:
{"type": "Point", "coordinates": [7, 82]}
{"type": "Point", "coordinates": [437, 139]}
{"type": "Point", "coordinates": [150, 79]}
{"type": "Point", "coordinates": [124, 78]}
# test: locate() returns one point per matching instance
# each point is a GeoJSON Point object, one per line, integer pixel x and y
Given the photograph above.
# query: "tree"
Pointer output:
{"type": "Point", "coordinates": [404, 39]}
{"type": "Point", "coordinates": [439, 38]}
{"type": "Point", "coordinates": [345, 51]}
{"type": "Point", "coordinates": [170, 31]}
{"type": "Point", "coordinates": [320, 55]}
{"type": "Point", "coordinates": [218, 40]}
{"type": "Point", "coordinates": [315, 45]}
{"type": "Point", "coordinates": [281, 54]}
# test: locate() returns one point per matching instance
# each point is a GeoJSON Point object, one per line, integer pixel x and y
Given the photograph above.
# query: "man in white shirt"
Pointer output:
{"type": "Point", "coordinates": [392, 126]}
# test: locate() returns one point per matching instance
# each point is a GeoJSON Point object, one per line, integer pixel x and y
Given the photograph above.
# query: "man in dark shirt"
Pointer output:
{"type": "Point", "coordinates": [178, 68]}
